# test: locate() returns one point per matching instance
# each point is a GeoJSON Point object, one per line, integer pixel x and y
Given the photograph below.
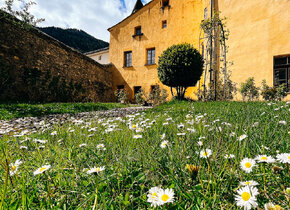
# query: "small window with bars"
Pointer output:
{"type": "Point", "coordinates": [128, 59]}
{"type": "Point", "coordinates": [282, 71]}
{"type": "Point", "coordinates": [138, 30]}
{"type": "Point", "coordinates": [150, 56]}
{"type": "Point", "coordinates": [165, 3]}
{"type": "Point", "coordinates": [164, 24]}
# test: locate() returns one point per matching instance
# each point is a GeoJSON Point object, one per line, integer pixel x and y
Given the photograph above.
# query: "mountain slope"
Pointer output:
{"type": "Point", "coordinates": [76, 39]}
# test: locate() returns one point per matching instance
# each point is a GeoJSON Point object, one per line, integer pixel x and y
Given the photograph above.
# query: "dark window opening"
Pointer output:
{"type": "Point", "coordinates": [280, 61]}
{"type": "Point", "coordinates": [150, 56]}
{"type": "Point", "coordinates": [100, 57]}
{"type": "Point", "coordinates": [137, 89]}
{"type": "Point", "coordinates": [128, 59]}
{"type": "Point", "coordinates": [165, 3]}
{"type": "Point", "coordinates": [154, 87]}
{"type": "Point", "coordinates": [164, 24]}
{"type": "Point", "coordinates": [120, 87]}
{"type": "Point", "coordinates": [282, 71]}
{"type": "Point", "coordinates": [138, 30]}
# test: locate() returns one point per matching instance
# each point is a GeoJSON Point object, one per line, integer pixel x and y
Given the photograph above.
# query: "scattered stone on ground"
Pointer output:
{"type": "Point", "coordinates": [21, 126]}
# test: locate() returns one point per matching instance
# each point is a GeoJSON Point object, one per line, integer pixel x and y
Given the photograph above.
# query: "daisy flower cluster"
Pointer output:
{"type": "Point", "coordinates": [158, 196]}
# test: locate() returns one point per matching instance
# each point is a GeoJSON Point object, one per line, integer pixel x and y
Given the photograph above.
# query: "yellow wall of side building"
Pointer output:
{"type": "Point", "coordinates": [259, 30]}
{"type": "Point", "coordinates": [183, 25]}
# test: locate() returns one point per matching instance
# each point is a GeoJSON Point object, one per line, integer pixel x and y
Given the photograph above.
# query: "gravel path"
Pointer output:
{"type": "Point", "coordinates": [22, 126]}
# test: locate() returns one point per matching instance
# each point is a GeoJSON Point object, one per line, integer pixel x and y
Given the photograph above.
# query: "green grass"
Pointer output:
{"type": "Point", "coordinates": [10, 111]}
{"type": "Point", "coordinates": [133, 166]}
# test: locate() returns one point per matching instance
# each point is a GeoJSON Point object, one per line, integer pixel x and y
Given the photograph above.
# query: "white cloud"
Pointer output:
{"type": "Point", "coordinates": [91, 16]}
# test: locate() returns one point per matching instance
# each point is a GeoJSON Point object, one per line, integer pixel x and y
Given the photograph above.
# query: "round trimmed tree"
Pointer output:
{"type": "Point", "coordinates": [180, 67]}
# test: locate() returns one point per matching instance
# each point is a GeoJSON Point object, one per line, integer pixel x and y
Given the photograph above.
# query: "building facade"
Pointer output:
{"type": "Point", "coordinates": [259, 43]}
{"type": "Point", "coordinates": [100, 55]}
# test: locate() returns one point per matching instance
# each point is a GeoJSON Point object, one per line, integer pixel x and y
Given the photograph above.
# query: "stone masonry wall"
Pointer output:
{"type": "Point", "coordinates": [36, 67]}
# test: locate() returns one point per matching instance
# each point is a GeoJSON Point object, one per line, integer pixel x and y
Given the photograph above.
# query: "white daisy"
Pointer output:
{"type": "Point", "coordinates": [133, 126]}
{"type": "Point", "coordinates": [180, 126]}
{"type": "Point", "coordinates": [200, 143]}
{"type": "Point", "coordinates": [247, 197]}
{"type": "Point", "coordinates": [163, 136]}
{"type": "Point", "coordinates": [96, 170]}
{"type": "Point", "coordinates": [137, 136]}
{"type": "Point", "coordinates": [191, 130]}
{"type": "Point", "coordinates": [53, 133]}
{"type": "Point", "coordinates": [284, 158]}
{"type": "Point", "coordinates": [247, 164]}
{"type": "Point", "coordinates": [205, 153]}
{"type": "Point", "coordinates": [41, 170]}
{"type": "Point", "coordinates": [82, 145]}
{"type": "Point", "coordinates": [242, 137]}
{"type": "Point", "coordinates": [23, 147]}
{"type": "Point", "coordinates": [271, 206]}
{"type": "Point", "coordinates": [101, 146]}
{"type": "Point", "coordinates": [14, 167]}
{"type": "Point", "coordinates": [249, 183]}
{"type": "Point", "coordinates": [282, 122]}
{"type": "Point", "coordinates": [165, 196]}
{"type": "Point", "coordinates": [265, 159]}
{"type": "Point", "coordinates": [152, 196]}
{"type": "Point", "coordinates": [164, 144]}
{"type": "Point", "coordinates": [40, 141]}
{"type": "Point", "coordinates": [138, 130]}
{"type": "Point", "coordinates": [230, 156]}
{"type": "Point", "coordinates": [181, 134]}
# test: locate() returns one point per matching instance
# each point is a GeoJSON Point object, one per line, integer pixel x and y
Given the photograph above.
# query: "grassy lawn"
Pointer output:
{"type": "Point", "coordinates": [10, 111]}
{"type": "Point", "coordinates": [136, 156]}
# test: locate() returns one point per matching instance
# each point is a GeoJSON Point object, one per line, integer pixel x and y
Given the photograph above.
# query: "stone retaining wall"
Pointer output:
{"type": "Point", "coordinates": [36, 67]}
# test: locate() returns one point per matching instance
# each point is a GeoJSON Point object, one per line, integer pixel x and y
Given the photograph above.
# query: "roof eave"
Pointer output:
{"type": "Point", "coordinates": [109, 29]}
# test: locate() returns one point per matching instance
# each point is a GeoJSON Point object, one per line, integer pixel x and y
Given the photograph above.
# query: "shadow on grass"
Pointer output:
{"type": "Point", "coordinates": [15, 110]}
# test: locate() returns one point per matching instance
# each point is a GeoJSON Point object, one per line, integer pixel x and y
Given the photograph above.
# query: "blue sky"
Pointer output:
{"type": "Point", "coordinates": [92, 16]}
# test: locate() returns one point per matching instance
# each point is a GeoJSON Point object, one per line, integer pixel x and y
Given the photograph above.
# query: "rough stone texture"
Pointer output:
{"type": "Point", "coordinates": [36, 67]}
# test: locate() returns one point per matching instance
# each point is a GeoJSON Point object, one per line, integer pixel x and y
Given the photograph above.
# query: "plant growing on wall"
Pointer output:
{"type": "Point", "coordinates": [216, 80]}
{"type": "Point", "coordinates": [180, 67]}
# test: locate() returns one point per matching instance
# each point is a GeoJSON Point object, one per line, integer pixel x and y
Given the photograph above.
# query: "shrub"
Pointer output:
{"type": "Point", "coordinates": [248, 89]}
{"type": "Point", "coordinates": [158, 96]}
{"type": "Point", "coordinates": [273, 93]}
{"type": "Point", "coordinates": [122, 96]}
{"type": "Point", "coordinates": [180, 67]}
{"type": "Point", "coordinates": [140, 97]}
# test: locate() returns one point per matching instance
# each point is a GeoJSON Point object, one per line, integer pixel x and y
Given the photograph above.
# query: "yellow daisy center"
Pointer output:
{"type": "Point", "coordinates": [205, 154]}
{"type": "Point", "coordinates": [246, 196]}
{"type": "Point", "coordinates": [248, 165]}
{"type": "Point", "coordinates": [154, 195]}
{"type": "Point", "coordinates": [247, 183]}
{"type": "Point", "coordinates": [42, 169]}
{"type": "Point", "coordinates": [278, 207]}
{"type": "Point", "coordinates": [289, 157]}
{"type": "Point", "coordinates": [264, 158]}
{"type": "Point", "coordinates": [134, 126]}
{"type": "Point", "coordinates": [97, 169]}
{"type": "Point", "coordinates": [164, 197]}
{"type": "Point", "coordinates": [13, 168]}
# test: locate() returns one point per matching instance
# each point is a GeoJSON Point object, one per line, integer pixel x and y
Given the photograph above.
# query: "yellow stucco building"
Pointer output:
{"type": "Point", "coordinates": [259, 36]}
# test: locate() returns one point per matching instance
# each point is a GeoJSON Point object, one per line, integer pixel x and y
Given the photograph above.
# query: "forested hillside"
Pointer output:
{"type": "Point", "coordinates": [76, 39]}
